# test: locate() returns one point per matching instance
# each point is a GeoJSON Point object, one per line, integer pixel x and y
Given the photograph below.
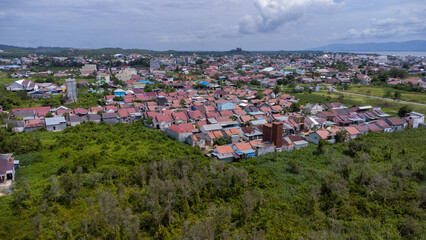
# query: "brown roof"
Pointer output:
{"type": "Point", "coordinates": [224, 149]}
{"type": "Point", "coordinates": [324, 134]}
{"type": "Point", "coordinates": [232, 131]}
{"type": "Point", "coordinates": [396, 121]}
{"type": "Point", "coordinates": [243, 146]}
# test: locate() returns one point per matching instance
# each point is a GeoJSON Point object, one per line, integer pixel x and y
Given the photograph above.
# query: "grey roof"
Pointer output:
{"type": "Point", "coordinates": [17, 123]}
{"type": "Point", "coordinates": [94, 117]}
{"type": "Point", "coordinates": [212, 127]}
{"type": "Point", "coordinates": [75, 118]}
{"type": "Point", "coordinates": [258, 122]}
{"type": "Point", "coordinates": [25, 113]}
{"type": "Point", "coordinates": [55, 121]}
{"type": "Point", "coordinates": [5, 156]}
{"type": "Point", "coordinates": [109, 115]}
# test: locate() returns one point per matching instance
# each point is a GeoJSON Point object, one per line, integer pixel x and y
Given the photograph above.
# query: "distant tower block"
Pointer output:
{"type": "Point", "coordinates": [71, 90]}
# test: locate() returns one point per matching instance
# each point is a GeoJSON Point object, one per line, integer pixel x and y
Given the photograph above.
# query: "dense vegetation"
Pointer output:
{"type": "Point", "coordinates": [130, 182]}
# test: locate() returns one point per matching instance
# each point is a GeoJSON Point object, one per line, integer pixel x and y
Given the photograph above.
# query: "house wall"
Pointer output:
{"type": "Point", "coordinates": [28, 118]}
{"type": "Point", "coordinates": [96, 121]}
{"type": "Point", "coordinates": [251, 154]}
{"type": "Point", "coordinates": [125, 120]}
{"type": "Point", "coordinates": [226, 106]}
{"type": "Point", "coordinates": [228, 160]}
{"type": "Point", "coordinates": [122, 94]}
{"type": "Point", "coordinates": [265, 150]}
{"type": "Point", "coordinates": [32, 129]}
{"type": "Point", "coordinates": [313, 138]}
{"type": "Point", "coordinates": [184, 136]}
{"type": "Point", "coordinates": [172, 134]}
{"type": "Point", "coordinates": [235, 138]}
{"type": "Point", "coordinates": [200, 143]}
{"type": "Point", "coordinates": [58, 127]}
{"type": "Point", "coordinates": [111, 121]}
{"type": "Point", "coordinates": [18, 129]}
{"type": "Point", "coordinates": [353, 136]}
{"type": "Point", "coordinates": [300, 145]}
{"type": "Point", "coordinates": [398, 128]}
{"type": "Point", "coordinates": [72, 124]}
{"type": "Point", "coordinates": [164, 125]}
{"type": "Point", "coordinates": [181, 137]}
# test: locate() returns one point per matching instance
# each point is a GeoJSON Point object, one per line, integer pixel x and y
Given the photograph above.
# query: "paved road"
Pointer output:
{"type": "Point", "coordinates": [389, 99]}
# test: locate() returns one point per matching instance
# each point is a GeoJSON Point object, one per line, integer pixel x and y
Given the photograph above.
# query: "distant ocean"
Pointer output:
{"type": "Point", "coordinates": [395, 53]}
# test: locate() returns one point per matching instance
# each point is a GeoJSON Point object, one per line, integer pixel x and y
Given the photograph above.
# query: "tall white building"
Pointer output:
{"type": "Point", "coordinates": [72, 94]}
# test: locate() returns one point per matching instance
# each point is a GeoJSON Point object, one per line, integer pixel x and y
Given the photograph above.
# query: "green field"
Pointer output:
{"type": "Point", "coordinates": [129, 182]}
{"type": "Point", "coordinates": [4, 79]}
{"type": "Point", "coordinates": [390, 107]}
{"type": "Point", "coordinates": [381, 91]}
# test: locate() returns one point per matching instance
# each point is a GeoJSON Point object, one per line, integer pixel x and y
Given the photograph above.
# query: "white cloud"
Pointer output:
{"type": "Point", "coordinates": [275, 13]}
{"type": "Point", "coordinates": [388, 27]}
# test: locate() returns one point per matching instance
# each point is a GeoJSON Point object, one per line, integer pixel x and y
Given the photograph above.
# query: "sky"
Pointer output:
{"type": "Point", "coordinates": [209, 24]}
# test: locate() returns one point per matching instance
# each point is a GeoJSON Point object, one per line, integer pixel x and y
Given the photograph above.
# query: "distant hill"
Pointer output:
{"type": "Point", "coordinates": [413, 46]}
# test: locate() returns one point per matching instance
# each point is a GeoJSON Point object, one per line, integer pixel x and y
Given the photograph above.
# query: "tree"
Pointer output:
{"type": "Point", "coordinates": [148, 120]}
{"type": "Point", "coordinates": [118, 98]}
{"type": "Point", "coordinates": [321, 146]}
{"type": "Point", "coordinates": [295, 107]}
{"type": "Point", "coordinates": [388, 94]}
{"type": "Point", "coordinates": [255, 82]}
{"type": "Point", "coordinates": [404, 110]}
{"type": "Point", "coordinates": [290, 78]}
{"type": "Point", "coordinates": [259, 95]}
{"type": "Point", "coordinates": [341, 136]}
{"type": "Point", "coordinates": [219, 141]}
{"type": "Point", "coordinates": [277, 89]}
{"type": "Point", "coordinates": [148, 88]}
{"type": "Point", "coordinates": [182, 102]}
{"type": "Point", "coordinates": [397, 95]}
{"type": "Point", "coordinates": [294, 166]}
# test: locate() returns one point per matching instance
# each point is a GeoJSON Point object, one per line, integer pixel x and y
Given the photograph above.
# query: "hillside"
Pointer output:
{"type": "Point", "coordinates": [414, 46]}
{"type": "Point", "coordinates": [130, 182]}
{"type": "Point", "coordinates": [15, 51]}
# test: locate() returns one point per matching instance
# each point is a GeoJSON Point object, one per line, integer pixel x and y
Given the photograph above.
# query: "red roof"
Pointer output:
{"type": "Point", "coordinates": [36, 109]}
{"type": "Point", "coordinates": [79, 111]}
{"type": "Point", "coordinates": [123, 113]}
{"type": "Point", "coordinates": [163, 118]}
{"type": "Point", "coordinates": [187, 126]}
{"type": "Point", "coordinates": [114, 108]}
{"type": "Point", "coordinates": [180, 116]}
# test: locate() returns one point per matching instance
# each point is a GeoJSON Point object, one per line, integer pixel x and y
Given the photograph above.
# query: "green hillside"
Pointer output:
{"type": "Point", "coordinates": [130, 182]}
